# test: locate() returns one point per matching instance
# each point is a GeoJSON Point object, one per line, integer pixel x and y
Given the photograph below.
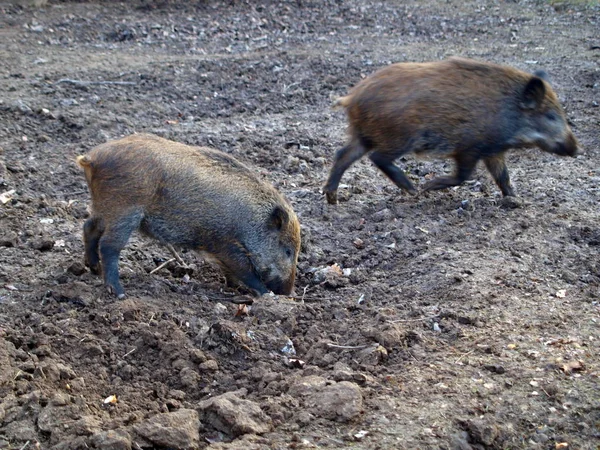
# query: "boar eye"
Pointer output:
{"type": "Point", "coordinates": [288, 252]}
{"type": "Point", "coordinates": [551, 116]}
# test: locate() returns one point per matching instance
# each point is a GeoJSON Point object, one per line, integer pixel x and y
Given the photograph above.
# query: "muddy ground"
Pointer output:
{"type": "Point", "coordinates": [449, 320]}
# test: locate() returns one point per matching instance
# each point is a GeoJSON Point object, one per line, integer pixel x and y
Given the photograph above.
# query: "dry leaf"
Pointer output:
{"type": "Point", "coordinates": [560, 445]}
{"type": "Point", "coordinates": [361, 434]}
{"type": "Point", "coordinates": [335, 269]}
{"type": "Point", "coordinates": [242, 310]}
{"type": "Point", "coordinates": [6, 197]}
{"type": "Point", "coordinates": [572, 366]}
{"type": "Point", "coordinates": [561, 293]}
{"type": "Point", "coordinates": [110, 400]}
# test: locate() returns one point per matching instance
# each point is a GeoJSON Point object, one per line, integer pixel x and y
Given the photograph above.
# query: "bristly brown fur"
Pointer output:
{"type": "Point", "coordinates": [190, 197]}
{"type": "Point", "coordinates": [458, 108]}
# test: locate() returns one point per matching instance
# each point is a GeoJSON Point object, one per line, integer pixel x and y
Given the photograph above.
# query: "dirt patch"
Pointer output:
{"type": "Point", "coordinates": [447, 320]}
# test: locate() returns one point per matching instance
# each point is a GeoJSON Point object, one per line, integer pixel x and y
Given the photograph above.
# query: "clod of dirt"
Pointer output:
{"type": "Point", "coordinates": [372, 355]}
{"type": "Point", "coordinates": [228, 337]}
{"type": "Point", "coordinates": [44, 245]}
{"type": "Point", "coordinates": [111, 440]}
{"type": "Point", "coordinates": [460, 441]}
{"type": "Point", "coordinates": [511, 202]}
{"type": "Point", "coordinates": [77, 268]}
{"type": "Point", "coordinates": [9, 239]}
{"type": "Point", "coordinates": [495, 368]}
{"type": "Point", "coordinates": [209, 366]}
{"type": "Point", "coordinates": [385, 215]}
{"type": "Point", "coordinates": [77, 293]}
{"type": "Point", "coordinates": [53, 417]}
{"type": "Point", "coordinates": [307, 385]}
{"type": "Point", "coordinates": [482, 432]}
{"type": "Point", "coordinates": [179, 429]}
{"type": "Point", "coordinates": [340, 401]}
{"type": "Point", "coordinates": [235, 416]}
{"type": "Point", "coordinates": [331, 277]}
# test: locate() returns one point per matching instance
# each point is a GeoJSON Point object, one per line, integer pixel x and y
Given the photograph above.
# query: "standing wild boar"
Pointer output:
{"type": "Point", "coordinates": [190, 197]}
{"type": "Point", "coordinates": [458, 108]}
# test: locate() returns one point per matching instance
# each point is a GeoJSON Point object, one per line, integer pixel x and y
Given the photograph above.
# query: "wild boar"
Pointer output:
{"type": "Point", "coordinates": [188, 197]}
{"type": "Point", "coordinates": [457, 108]}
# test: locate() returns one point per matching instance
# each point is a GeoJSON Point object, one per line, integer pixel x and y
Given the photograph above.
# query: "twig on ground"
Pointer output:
{"type": "Point", "coordinates": [463, 355]}
{"type": "Point", "coordinates": [87, 83]}
{"type": "Point", "coordinates": [347, 347]}
{"type": "Point", "coordinates": [176, 256]}
{"type": "Point", "coordinates": [129, 353]}
{"type": "Point", "coordinates": [166, 263]}
{"type": "Point", "coordinates": [304, 293]}
{"type": "Point", "coordinates": [412, 320]}
{"type": "Point", "coordinates": [25, 445]}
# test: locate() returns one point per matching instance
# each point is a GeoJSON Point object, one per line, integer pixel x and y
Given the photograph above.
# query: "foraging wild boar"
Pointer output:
{"type": "Point", "coordinates": [191, 197]}
{"type": "Point", "coordinates": [458, 108]}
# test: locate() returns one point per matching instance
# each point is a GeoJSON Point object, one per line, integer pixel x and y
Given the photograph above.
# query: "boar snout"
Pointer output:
{"type": "Point", "coordinates": [568, 148]}
{"type": "Point", "coordinates": [280, 286]}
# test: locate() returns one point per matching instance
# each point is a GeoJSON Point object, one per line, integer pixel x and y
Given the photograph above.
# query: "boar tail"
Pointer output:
{"type": "Point", "coordinates": [84, 161]}
{"type": "Point", "coordinates": [342, 102]}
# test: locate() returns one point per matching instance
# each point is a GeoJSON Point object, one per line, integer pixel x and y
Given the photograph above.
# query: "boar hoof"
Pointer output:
{"type": "Point", "coordinates": [331, 197]}
{"type": "Point", "coordinates": [117, 291]}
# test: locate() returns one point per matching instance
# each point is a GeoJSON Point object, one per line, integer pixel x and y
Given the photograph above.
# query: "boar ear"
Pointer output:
{"type": "Point", "coordinates": [278, 218]}
{"type": "Point", "coordinates": [542, 74]}
{"type": "Point", "coordinates": [533, 94]}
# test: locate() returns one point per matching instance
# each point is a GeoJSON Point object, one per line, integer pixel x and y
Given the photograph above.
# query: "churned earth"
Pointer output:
{"type": "Point", "coordinates": [449, 320]}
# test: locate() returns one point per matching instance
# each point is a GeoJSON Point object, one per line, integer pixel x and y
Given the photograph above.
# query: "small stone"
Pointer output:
{"type": "Point", "coordinates": [383, 215]}
{"type": "Point", "coordinates": [197, 356]}
{"type": "Point", "coordinates": [359, 243]}
{"type": "Point", "coordinates": [209, 366]}
{"type": "Point", "coordinates": [77, 268]}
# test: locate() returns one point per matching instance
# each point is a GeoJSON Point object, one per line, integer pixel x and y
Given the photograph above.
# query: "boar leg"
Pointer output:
{"type": "Point", "coordinates": [497, 167]}
{"type": "Point", "coordinates": [92, 232]}
{"type": "Point", "coordinates": [343, 159]}
{"type": "Point", "coordinates": [112, 242]}
{"type": "Point", "coordinates": [386, 165]}
{"type": "Point", "coordinates": [465, 164]}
